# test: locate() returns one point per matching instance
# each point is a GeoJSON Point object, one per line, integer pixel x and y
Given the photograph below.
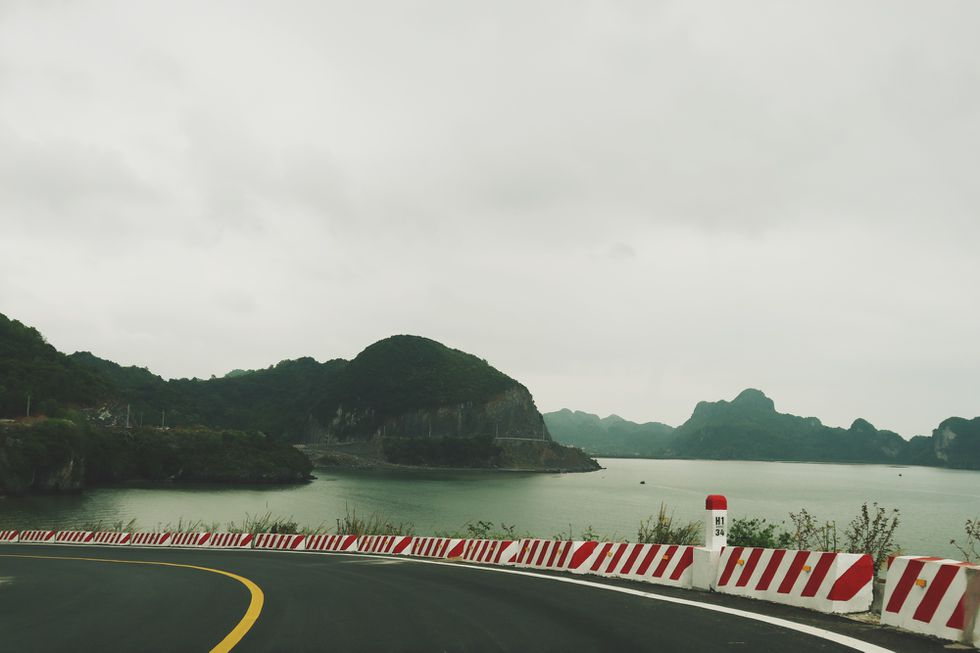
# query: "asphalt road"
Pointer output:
{"type": "Point", "coordinates": [319, 602]}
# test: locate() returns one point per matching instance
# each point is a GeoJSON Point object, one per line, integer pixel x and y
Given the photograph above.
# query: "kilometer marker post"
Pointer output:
{"type": "Point", "coordinates": [716, 522]}
{"type": "Point", "coordinates": [715, 539]}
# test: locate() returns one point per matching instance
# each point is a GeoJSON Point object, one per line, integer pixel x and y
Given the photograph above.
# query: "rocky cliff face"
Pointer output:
{"type": "Point", "coordinates": [508, 414]}
{"type": "Point", "coordinates": [956, 443]}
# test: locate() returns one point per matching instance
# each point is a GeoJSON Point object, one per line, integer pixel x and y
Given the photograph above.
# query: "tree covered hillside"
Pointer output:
{"type": "Point", "coordinates": [608, 436]}
{"type": "Point", "coordinates": [276, 400]}
{"type": "Point", "coordinates": [404, 374]}
{"type": "Point", "coordinates": [29, 366]}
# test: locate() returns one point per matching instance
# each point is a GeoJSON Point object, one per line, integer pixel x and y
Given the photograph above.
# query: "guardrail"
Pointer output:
{"type": "Point", "coordinates": [931, 596]}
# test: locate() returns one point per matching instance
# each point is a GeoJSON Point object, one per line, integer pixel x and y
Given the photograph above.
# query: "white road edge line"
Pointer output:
{"type": "Point", "coordinates": [829, 635]}
{"type": "Point", "coordinates": [844, 640]}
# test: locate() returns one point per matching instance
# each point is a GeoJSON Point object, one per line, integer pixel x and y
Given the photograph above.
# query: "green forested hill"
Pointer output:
{"type": "Point", "coordinates": [275, 400]}
{"type": "Point", "coordinates": [608, 436]}
{"type": "Point", "coordinates": [30, 366]}
{"type": "Point", "coordinates": [404, 373]}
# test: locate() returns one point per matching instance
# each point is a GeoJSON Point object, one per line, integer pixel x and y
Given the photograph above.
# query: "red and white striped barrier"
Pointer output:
{"type": "Point", "coordinates": [491, 552]}
{"type": "Point", "coordinates": [73, 537]}
{"type": "Point", "coordinates": [393, 544]}
{"type": "Point", "coordinates": [231, 541]}
{"type": "Point", "coordinates": [36, 537]}
{"type": "Point", "coordinates": [545, 554]}
{"type": "Point", "coordinates": [112, 539]}
{"type": "Point", "coordinates": [8, 537]}
{"type": "Point", "coordinates": [190, 539]}
{"type": "Point", "coordinates": [663, 564]}
{"type": "Point", "coordinates": [826, 582]}
{"type": "Point", "coordinates": [152, 539]}
{"type": "Point", "coordinates": [933, 596]}
{"type": "Point", "coordinates": [337, 543]}
{"type": "Point", "coordinates": [279, 541]}
{"type": "Point", "coordinates": [437, 547]}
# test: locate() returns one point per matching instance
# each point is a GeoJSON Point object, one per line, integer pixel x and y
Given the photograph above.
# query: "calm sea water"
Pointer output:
{"type": "Point", "coordinates": [933, 503]}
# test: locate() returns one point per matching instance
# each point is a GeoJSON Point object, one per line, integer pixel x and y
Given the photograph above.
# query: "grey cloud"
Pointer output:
{"type": "Point", "coordinates": [629, 206]}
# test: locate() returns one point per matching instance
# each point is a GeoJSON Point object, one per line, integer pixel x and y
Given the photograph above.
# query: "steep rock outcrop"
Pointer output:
{"type": "Point", "coordinates": [509, 414]}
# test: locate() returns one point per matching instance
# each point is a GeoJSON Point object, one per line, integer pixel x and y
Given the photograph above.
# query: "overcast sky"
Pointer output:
{"type": "Point", "coordinates": [629, 207]}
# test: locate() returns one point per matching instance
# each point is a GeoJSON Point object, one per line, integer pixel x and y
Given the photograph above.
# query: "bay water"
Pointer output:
{"type": "Point", "coordinates": [933, 503]}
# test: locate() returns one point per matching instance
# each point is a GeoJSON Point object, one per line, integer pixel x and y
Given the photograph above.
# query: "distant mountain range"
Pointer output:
{"type": "Point", "coordinates": [750, 428]}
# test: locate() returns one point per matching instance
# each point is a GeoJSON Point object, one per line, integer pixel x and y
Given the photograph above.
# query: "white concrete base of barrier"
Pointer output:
{"type": "Point", "coordinates": [705, 568]}
{"type": "Point", "coordinates": [826, 582]}
{"type": "Point", "coordinates": [933, 596]}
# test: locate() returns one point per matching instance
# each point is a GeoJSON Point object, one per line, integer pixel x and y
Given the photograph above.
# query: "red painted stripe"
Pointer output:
{"type": "Point", "coordinates": [454, 552]}
{"type": "Point", "coordinates": [566, 549]}
{"type": "Point", "coordinates": [687, 559]}
{"type": "Point", "coordinates": [404, 544]}
{"type": "Point", "coordinates": [555, 548]}
{"type": "Point", "coordinates": [496, 556]}
{"type": "Point", "coordinates": [582, 553]}
{"type": "Point", "coordinates": [959, 613]}
{"type": "Point", "coordinates": [483, 550]}
{"type": "Point", "coordinates": [545, 549]}
{"type": "Point", "coordinates": [794, 571]}
{"type": "Point", "coordinates": [771, 569]}
{"type": "Point", "coordinates": [634, 554]}
{"type": "Point", "coordinates": [935, 593]}
{"type": "Point", "coordinates": [602, 555]}
{"type": "Point", "coordinates": [750, 565]}
{"type": "Point", "coordinates": [860, 574]}
{"type": "Point", "coordinates": [726, 574]}
{"type": "Point", "coordinates": [648, 559]}
{"type": "Point", "coordinates": [818, 574]}
{"type": "Point", "coordinates": [616, 557]}
{"type": "Point", "coordinates": [526, 553]}
{"type": "Point", "coordinates": [667, 557]}
{"type": "Point", "coordinates": [904, 586]}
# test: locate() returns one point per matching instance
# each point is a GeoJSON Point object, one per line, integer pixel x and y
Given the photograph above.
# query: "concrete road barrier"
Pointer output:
{"type": "Point", "coordinates": [112, 538]}
{"type": "Point", "coordinates": [493, 552]}
{"type": "Point", "coordinates": [36, 537]}
{"type": "Point", "coordinates": [280, 541]}
{"type": "Point", "coordinates": [662, 564]}
{"type": "Point", "coordinates": [230, 541]}
{"type": "Point", "coordinates": [192, 540]}
{"type": "Point", "coordinates": [392, 544]}
{"type": "Point", "coordinates": [346, 543]}
{"type": "Point", "coordinates": [73, 537]}
{"type": "Point", "coordinates": [826, 582]}
{"type": "Point", "coordinates": [545, 554]}
{"type": "Point", "coordinates": [9, 537]}
{"type": "Point", "coordinates": [152, 539]}
{"type": "Point", "coordinates": [450, 548]}
{"type": "Point", "coordinates": [933, 596]}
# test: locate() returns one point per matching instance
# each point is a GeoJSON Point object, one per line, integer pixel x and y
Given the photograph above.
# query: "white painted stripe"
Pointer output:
{"type": "Point", "coordinates": [829, 635]}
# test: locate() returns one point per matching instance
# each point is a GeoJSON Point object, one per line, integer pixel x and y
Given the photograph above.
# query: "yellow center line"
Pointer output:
{"type": "Point", "coordinates": [232, 638]}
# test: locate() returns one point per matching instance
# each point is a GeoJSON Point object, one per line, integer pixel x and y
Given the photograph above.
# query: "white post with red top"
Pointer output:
{"type": "Point", "coordinates": [715, 539]}
{"type": "Point", "coordinates": [716, 522]}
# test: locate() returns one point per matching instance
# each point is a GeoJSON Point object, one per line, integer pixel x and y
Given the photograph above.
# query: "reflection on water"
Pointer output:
{"type": "Point", "coordinates": [934, 503]}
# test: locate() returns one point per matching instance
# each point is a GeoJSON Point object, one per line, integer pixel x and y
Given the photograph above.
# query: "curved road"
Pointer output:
{"type": "Point", "coordinates": [53, 601]}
